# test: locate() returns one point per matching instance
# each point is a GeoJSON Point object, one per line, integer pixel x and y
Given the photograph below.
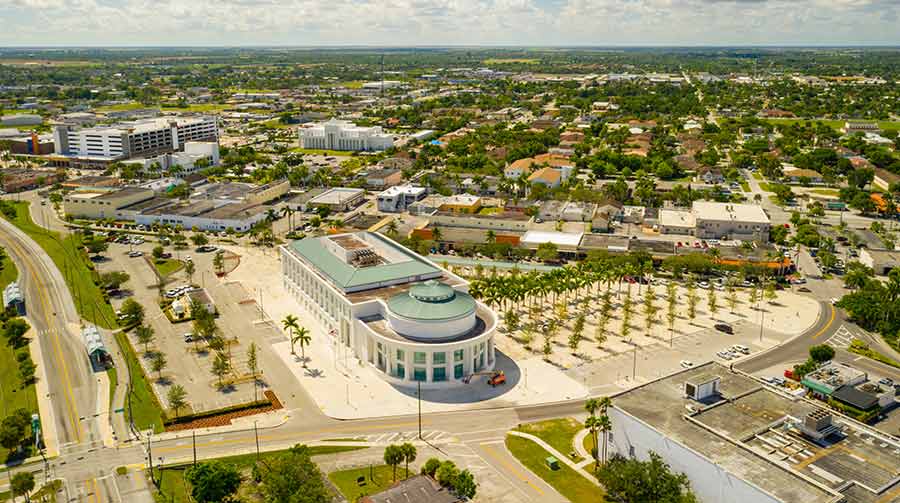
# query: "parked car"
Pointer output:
{"type": "Point", "coordinates": [886, 381]}
{"type": "Point", "coordinates": [687, 364]}
{"type": "Point", "coordinates": [188, 337]}
{"type": "Point", "coordinates": [134, 254]}
{"type": "Point", "coordinates": [724, 328]}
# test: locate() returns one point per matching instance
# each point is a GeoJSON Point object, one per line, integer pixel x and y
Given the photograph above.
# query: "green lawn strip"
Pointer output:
{"type": "Point", "coordinates": [173, 487]}
{"type": "Point", "coordinates": [166, 267]}
{"type": "Point", "coordinates": [68, 256]}
{"type": "Point", "coordinates": [875, 355]}
{"type": "Point", "coordinates": [559, 433]}
{"type": "Point", "coordinates": [378, 478]}
{"type": "Point", "coordinates": [112, 375]}
{"type": "Point", "coordinates": [765, 186]}
{"type": "Point", "coordinates": [757, 176]}
{"type": "Point", "coordinates": [144, 404]}
{"type": "Point", "coordinates": [565, 480]}
{"type": "Point", "coordinates": [826, 192]}
{"type": "Point", "coordinates": [8, 273]}
{"type": "Point", "coordinates": [588, 444]}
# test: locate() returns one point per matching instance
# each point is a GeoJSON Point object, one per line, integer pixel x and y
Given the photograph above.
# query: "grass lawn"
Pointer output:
{"type": "Point", "coordinates": [381, 479]}
{"type": "Point", "coordinates": [588, 444]}
{"type": "Point", "coordinates": [13, 395]}
{"type": "Point", "coordinates": [765, 186]}
{"type": "Point", "coordinates": [559, 433]}
{"type": "Point", "coordinates": [745, 186]}
{"type": "Point", "coordinates": [144, 405]}
{"type": "Point", "coordinates": [174, 488]}
{"type": "Point", "coordinates": [863, 349]}
{"type": "Point", "coordinates": [313, 151]}
{"type": "Point", "coordinates": [45, 494]}
{"type": "Point", "coordinates": [567, 481]}
{"type": "Point", "coordinates": [827, 192]}
{"type": "Point", "coordinates": [165, 267]}
{"type": "Point", "coordinates": [68, 256]}
{"type": "Point", "coordinates": [757, 175]}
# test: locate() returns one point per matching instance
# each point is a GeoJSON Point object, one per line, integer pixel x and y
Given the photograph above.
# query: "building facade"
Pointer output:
{"type": "Point", "coordinates": [133, 139]}
{"type": "Point", "coordinates": [398, 198]}
{"type": "Point", "coordinates": [392, 309]}
{"type": "Point", "coordinates": [344, 135]}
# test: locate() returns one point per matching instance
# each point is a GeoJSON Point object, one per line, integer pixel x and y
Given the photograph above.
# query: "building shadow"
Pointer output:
{"type": "Point", "coordinates": [477, 390]}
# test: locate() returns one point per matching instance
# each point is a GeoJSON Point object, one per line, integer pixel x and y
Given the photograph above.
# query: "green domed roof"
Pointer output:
{"type": "Point", "coordinates": [431, 301]}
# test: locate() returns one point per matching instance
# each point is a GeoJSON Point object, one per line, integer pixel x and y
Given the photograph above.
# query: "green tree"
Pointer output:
{"type": "Point", "coordinates": [712, 300]}
{"type": "Point", "coordinates": [177, 397]}
{"type": "Point", "coordinates": [219, 262]}
{"type": "Point", "coordinates": [158, 363]}
{"type": "Point", "coordinates": [199, 239]}
{"type": "Point", "coordinates": [213, 481]}
{"type": "Point", "coordinates": [132, 311]}
{"type": "Point", "coordinates": [22, 484]}
{"type": "Point", "coordinates": [692, 300]}
{"type": "Point", "coordinates": [447, 474]}
{"type": "Point", "coordinates": [292, 477]}
{"type": "Point", "coordinates": [635, 481]}
{"type": "Point", "coordinates": [302, 335]}
{"type": "Point", "coordinates": [409, 454]}
{"type": "Point", "coordinates": [465, 485]}
{"type": "Point", "coordinates": [14, 330]}
{"type": "Point", "coordinates": [114, 279]}
{"type": "Point", "coordinates": [190, 268]}
{"type": "Point", "coordinates": [431, 466]}
{"type": "Point", "coordinates": [27, 370]}
{"type": "Point", "coordinates": [650, 309]}
{"type": "Point", "coordinates": [220, 367]}
{"type": "Point", "coordinates": [671, 311]}
{"type": "Point", "coordinates": [547, 252]}
{"type": "Point", "coordinates": [253, 365]}
{"type": "Point", "coordinates": [158, 252]}
{"type": "Point", "coordinates": [145, 335]}
{"type": "Point", "coordinates": [393, 456]}
{"type": "Point", "coordinates": [821, 353]}
{"type": "Point", "coordinates": [14, 429]}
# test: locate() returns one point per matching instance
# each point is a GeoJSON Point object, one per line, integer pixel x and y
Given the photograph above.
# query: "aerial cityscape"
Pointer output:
{"type": "Point", "coordinates": [366, 272]}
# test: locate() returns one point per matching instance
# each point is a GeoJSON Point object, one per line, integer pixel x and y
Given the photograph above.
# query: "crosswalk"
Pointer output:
{"type": "Point", "coordinates": [405, 436]}
{"type": "Point", "coordinates": [841, 338]}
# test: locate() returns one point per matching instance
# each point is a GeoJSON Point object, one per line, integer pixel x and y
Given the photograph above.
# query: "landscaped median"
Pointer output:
{"type": "Point", "coordinates": [69, 256]}
{"type": "Point", "coordinates": [559, 433]}
{"type": "Point", "coordinates": [141, 405]}
{"type": "Point", "coordinates": [568, 482]}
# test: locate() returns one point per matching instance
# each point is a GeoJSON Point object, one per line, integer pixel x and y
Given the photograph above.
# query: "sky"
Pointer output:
{"type": "Point", "coordinates": [448, 22]}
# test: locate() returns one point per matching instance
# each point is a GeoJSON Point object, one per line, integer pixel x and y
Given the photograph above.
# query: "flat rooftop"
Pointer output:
{"type": "Point", "coordinates": [364, 261]}
{"type": "Point", "coordinates": [749, 213]}
{"type": "Point", "coordinates": [752, 432]}
{"type": "Point", "coordinates": [338, 195]}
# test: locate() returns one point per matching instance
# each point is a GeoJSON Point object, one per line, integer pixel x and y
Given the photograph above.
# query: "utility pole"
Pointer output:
{"type": "Point", "coordinates": [634, 363]}
{"type": "Point", "coordinates": [194, 445]}
{"type": "Point", "coordinates": [419, 395]}
{"type": "Point", "coordinates": [150, 456]}
{"type": "Point", "coordinates": [256, 434]}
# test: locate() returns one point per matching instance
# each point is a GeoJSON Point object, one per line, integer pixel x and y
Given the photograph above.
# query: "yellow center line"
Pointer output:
{"type": "Point", "coordinates": [45, 304]}
{"type": "Point", "coordinates": [492, 453]}
{"type": "Point", "coordinates": [827, 325]}
{"type": "Point", "coordinates": [96, 491]}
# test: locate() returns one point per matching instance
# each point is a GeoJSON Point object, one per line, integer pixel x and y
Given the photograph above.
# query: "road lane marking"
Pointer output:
{"type": "Point", "coordinates": [827, 325]}
{"type": "Point", "coordinates": [492, 453]}
{"type": "Point", "coordinates": [42, 295]}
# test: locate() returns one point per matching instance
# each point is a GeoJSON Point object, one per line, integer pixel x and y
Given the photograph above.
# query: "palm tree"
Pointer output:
{"type": "Point", "coordinates": [592, 423]}
{"type": "Point", "coordinates": [605, 426]}
{"type": "Point", "coordinates": [393, 456]}
{"type": "Point", "coordinates": [302, 335]}
{"type": "Point", "coordinates": [490, 237]}
{"type": "Point", "coordinates": [287, 211]}
{"type": "Point", "coordinates": [436, 234]}
{"type": "Point", "coordinates": [291, 323]}
{"type": "Point", "coordinates": [409, 454]}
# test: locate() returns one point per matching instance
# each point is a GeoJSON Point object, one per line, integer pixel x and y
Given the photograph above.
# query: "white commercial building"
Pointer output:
{"type": "Point", "coordinates": [133, 139]}
{"type": "Point", "coordinates": [396, 199]}
{"type": "Point", "coordinates": [741, 441]}
{"type": "Point", "coordinates": [711, 220]}
{"type": "Point", "coordinates": [182, 163]}
{"type": "Point", "coordinates": [343, 135]}
{"type": "Point", "coordinates": [393, 309]}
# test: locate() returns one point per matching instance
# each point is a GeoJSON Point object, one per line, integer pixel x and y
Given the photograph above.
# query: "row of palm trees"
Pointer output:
{"type": "Point", "coordinates": [516, 287]}
{"type": "Point", "coordinates": [598, 424]}
{"type": "Point", "coordinates": [298, 334]}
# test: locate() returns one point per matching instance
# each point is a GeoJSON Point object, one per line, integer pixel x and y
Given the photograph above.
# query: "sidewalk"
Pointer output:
{"type": "Point", "coordinates": [558, 455]}
{"type": "Point", "coordinates": [45, 406]}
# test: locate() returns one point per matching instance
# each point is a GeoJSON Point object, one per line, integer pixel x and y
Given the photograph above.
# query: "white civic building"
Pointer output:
{"type": "Point", "coordinates": [394, 309]}
{"type": "Point", "coordinates": [343, 135]}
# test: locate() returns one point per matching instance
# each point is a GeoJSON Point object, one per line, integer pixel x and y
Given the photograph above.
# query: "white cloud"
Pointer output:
{"type": "Point", "coordinates": [447, 22]}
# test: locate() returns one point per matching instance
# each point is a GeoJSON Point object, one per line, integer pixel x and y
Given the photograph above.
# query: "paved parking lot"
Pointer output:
{"type": "Point", "coordinates": [186, 365]}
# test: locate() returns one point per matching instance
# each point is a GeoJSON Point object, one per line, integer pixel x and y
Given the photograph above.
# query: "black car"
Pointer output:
{"type": "Point", "coordinates": [724, 328]}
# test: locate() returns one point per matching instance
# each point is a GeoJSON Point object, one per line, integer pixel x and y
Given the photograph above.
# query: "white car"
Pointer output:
{"type": "Point", "coordinates": [703, 284]}
{"type": "Point", "coordinates": [687, 364]}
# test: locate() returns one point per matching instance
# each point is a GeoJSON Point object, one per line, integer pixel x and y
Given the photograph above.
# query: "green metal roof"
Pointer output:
{"type": "Point", "coordinates": [816, 386]}
{"type": "Point", "coordinates": [431, 301]}
{"type": "Point", "coordinates": [347, 277]}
